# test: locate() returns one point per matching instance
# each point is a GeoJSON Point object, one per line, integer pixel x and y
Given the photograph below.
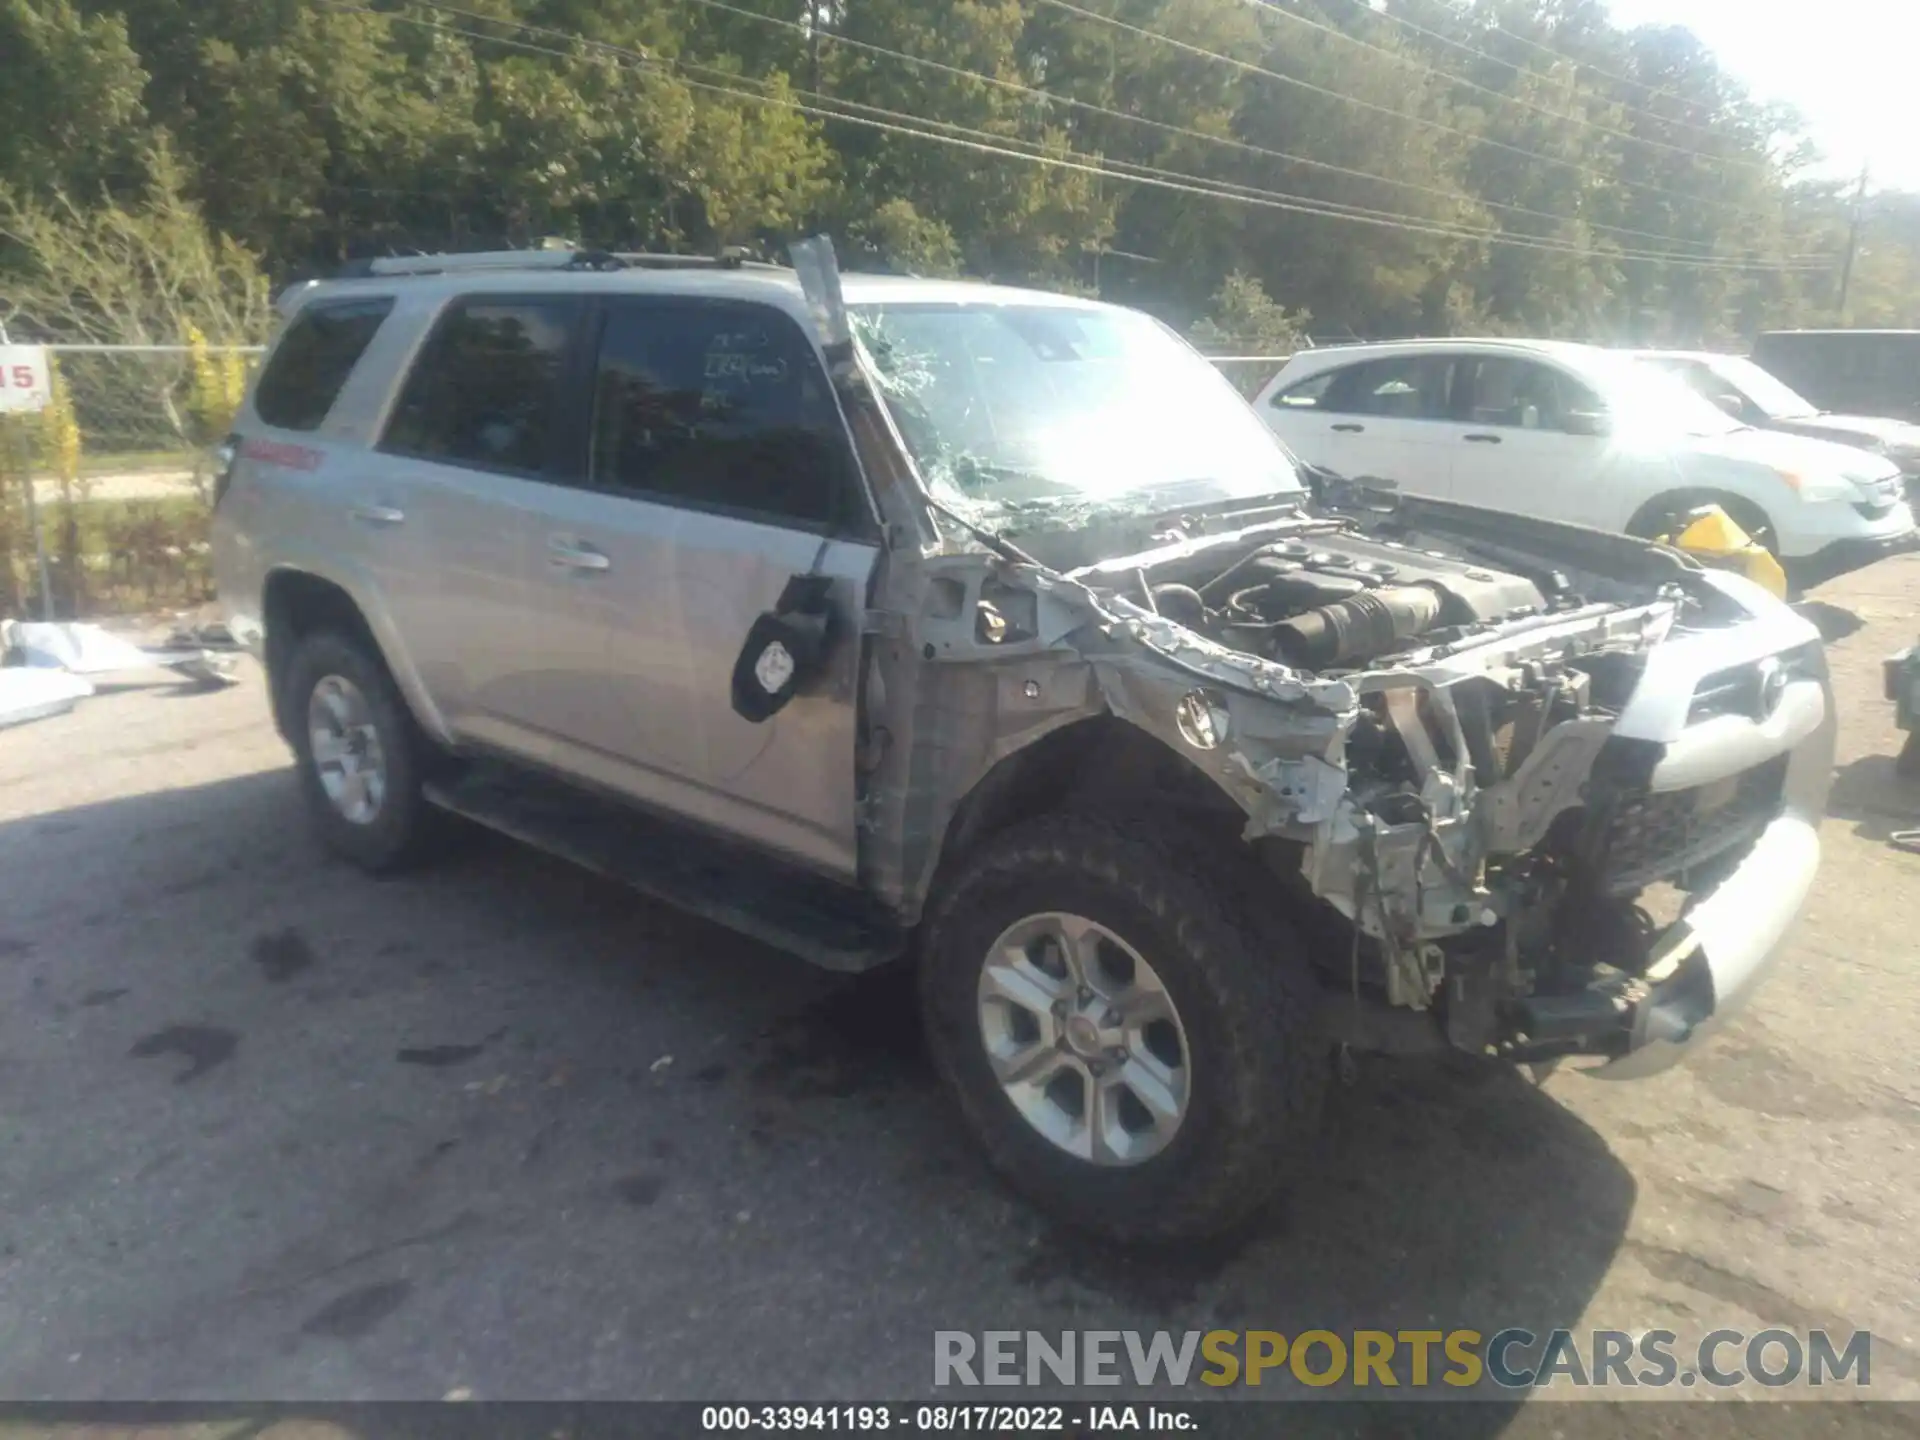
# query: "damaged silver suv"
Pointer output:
{"type": "Point", "coordinates": [887, 618]}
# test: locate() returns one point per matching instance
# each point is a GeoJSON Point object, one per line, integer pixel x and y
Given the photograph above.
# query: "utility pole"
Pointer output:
{"type": "Point", "coordinates": [814, 9]}
{"type": "Point", "coordinates": [1853, 243]}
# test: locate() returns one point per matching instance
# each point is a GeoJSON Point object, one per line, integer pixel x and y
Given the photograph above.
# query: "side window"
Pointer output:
{"type": "Point", "coordinates": [313, 359]}
{"type": "Point", "coordinates": [1405, 387]}
{"type": "Point", "coordinates": [722, 404]}
{"type": "Point", "coordinates": [1308, 394]}
{"type": "Point", "coordinates": [1895, 358]}
{"type": "Point", "coordinates": [1710, 385]}
{"type": "Point", "coordinates": [1702, 381]}
{"type": "Point", "coordinates": [1812, 360]}
{"type": "Point", "coordinates": [485, 389]}
{"type": "Point", "coordinates": [1524, 395]}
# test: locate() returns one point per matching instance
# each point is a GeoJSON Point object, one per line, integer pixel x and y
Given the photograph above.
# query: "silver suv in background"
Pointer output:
{"type": "Point", "coordinates": [1755, 397]}
{"type": "Point", "coordinates": [989, 631]}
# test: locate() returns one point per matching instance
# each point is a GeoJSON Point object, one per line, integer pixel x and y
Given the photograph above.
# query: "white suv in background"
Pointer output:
{"type": "Point", "coordinates": [1578, 433]}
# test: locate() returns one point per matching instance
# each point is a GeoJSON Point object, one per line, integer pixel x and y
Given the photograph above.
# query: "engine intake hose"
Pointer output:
{"type": "Point", "coordinates": [1368, 624]}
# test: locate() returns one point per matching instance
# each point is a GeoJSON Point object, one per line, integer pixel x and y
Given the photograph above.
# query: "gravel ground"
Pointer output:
{"type": "Point", "coordinates": [271, 1129]}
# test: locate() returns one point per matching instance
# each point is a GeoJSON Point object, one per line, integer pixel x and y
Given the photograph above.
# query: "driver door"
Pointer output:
{"type": "Point", "coordinates": [719, 468]}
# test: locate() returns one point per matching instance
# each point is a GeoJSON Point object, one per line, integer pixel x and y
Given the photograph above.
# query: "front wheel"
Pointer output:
{"type": "Point", "coordinates": [1133, 1047]}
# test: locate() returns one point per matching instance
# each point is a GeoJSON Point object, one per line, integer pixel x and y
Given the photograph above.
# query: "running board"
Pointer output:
{"type": "Point", "coordinates": [830, 925]}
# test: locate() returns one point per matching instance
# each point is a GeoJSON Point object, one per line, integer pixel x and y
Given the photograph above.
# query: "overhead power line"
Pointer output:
{"type": "Point", "coordinates": [1280, 11]}
{"type": "Point", "coordinates": [1069, 161]}
{"type": "Point", "coordinates": [1818, 259]}
{"type": "Point", "coordinates": [1248, 67]}
{"type": "Point", "coordinates": [1223, 141]}
{"type": "Point", "coordinates": [1651, 90]}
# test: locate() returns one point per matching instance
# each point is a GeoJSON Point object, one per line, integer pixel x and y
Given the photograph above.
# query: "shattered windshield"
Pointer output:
{"type": "Point", "coordinates": [1012, 405]}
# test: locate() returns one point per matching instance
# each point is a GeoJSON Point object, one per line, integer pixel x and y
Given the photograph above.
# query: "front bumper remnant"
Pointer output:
{"type": "Point", "coordinates": [1698, 971]}
{"type": "Point", "coordinates": [1703, 967]}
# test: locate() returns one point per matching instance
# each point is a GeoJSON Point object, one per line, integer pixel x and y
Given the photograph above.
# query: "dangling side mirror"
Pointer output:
{"type": "Point", "coordinates": [786, 649]}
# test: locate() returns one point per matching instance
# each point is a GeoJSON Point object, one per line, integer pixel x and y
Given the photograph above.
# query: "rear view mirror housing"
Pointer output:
{"type": "Point", "coordinates": [786, 649]}
{"type": "Point", "coordinates": [1587, 422]}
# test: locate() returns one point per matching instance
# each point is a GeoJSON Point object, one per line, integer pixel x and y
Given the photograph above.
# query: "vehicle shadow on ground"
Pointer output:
{"type": "Point", "coordinates": [487, 1124]}
{"type": "Point", "coordinates": [1834, 622]}
{"type": "Point", "coordinates": [1873, 794]}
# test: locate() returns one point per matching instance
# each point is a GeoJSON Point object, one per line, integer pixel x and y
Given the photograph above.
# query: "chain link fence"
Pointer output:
{"type": "Point", "coordinates": [105, 496]}
{"type": "Point", "coordinates": [1249, 373]}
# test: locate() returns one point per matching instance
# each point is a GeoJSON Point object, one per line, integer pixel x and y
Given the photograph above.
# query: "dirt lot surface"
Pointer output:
{"type": "Point", "coordinates": [270, 1129]}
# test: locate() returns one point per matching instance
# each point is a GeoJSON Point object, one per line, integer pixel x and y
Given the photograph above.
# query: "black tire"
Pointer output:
{"type": "Point", "coordinates": [1241, 984]}
{"type": "Point", "coordinates": [404, 827]}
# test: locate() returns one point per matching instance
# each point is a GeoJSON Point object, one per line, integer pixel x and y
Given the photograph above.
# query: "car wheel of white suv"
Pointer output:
{"type": "Point", "coordinates": [360, 754]}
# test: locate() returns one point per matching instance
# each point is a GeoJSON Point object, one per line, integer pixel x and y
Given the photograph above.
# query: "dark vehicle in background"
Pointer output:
{"type": "Point", "coordinates": [1754, 395]}
{"type": "Point", "coordinates": [1854, 372]}
{"type": "Point", "coordinates": [1903, 689]}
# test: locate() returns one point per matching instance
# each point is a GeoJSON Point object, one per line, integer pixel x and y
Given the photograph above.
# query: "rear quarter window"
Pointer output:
{"type": "Point", "coordinates": [313, 359]}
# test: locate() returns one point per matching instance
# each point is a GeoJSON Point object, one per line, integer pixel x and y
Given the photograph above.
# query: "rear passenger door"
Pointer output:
{"type": "Point", "coordinates": [1514, 450]}
{"type": "Point", "coordinates": [1383, 417]}
{"type": "Point", "coordinates": [470, 458]}
{"type": "Point", "coordinates": [718, 467]}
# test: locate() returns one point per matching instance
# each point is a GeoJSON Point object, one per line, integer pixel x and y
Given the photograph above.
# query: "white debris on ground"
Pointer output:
{"type": "Point", "coordinates": [35, 694]}
{"type": "Point", "coordinates": [44, 665]}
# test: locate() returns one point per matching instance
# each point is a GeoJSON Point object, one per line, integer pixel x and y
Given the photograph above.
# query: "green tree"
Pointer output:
{"type": "Point", "coordinates": [146, 273]}
{"type": "Point", "coordinates": [1244, 317]}
{"type": "Point", "coordinates": [70, 98]}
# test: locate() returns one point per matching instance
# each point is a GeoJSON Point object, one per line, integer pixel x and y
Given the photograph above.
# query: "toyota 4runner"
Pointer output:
{"type": "Point", "coordinates": [886, 618]}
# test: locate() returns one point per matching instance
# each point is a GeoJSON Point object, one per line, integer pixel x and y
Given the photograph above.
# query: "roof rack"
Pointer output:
{"type": "Point", "coordinates": [551, 259]}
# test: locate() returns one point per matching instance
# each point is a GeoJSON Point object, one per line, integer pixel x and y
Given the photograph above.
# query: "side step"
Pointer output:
{"type": "Point", "coordinates": [830, 925]}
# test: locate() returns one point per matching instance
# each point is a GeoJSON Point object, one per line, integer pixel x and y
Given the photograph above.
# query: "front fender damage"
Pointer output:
{"type": "Point", "coordinates": [996, 655]}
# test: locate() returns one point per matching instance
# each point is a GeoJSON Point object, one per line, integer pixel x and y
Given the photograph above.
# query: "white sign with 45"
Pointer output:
{"type": "Point", "coordinates": [26, 380]}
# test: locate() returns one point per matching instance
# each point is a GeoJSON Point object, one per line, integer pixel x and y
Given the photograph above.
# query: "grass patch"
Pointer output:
{"type": "Point", "coordinates": [135, 462]}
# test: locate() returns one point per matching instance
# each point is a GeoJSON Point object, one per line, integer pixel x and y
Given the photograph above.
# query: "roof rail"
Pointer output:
{"type": "Point", "coordinates": [730, 259]}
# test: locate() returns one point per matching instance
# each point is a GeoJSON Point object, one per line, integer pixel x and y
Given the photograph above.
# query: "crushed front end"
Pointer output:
{"type": "Point", "coordinates": [1555, 792]}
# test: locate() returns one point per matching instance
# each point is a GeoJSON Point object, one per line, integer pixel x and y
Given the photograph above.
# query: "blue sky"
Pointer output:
{"type": "Point", "coordinates": [1850, 66]}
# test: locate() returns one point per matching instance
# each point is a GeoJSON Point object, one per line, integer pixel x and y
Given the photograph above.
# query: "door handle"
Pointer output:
{"type": "Point", "coordinates": [377, 514]}
{"type": "Point", "coordinates": [1483, 439]}
{"type": "Point", "coordinates": [1349, 429]}
{"type": "Point", "coordinates": [576, 555]}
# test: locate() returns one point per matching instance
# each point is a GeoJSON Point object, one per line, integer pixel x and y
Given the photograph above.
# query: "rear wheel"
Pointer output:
{"type": "Point", "coordinates": [361, 756]}
{"type": "Point", "coordinates": [1133, 1051]}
